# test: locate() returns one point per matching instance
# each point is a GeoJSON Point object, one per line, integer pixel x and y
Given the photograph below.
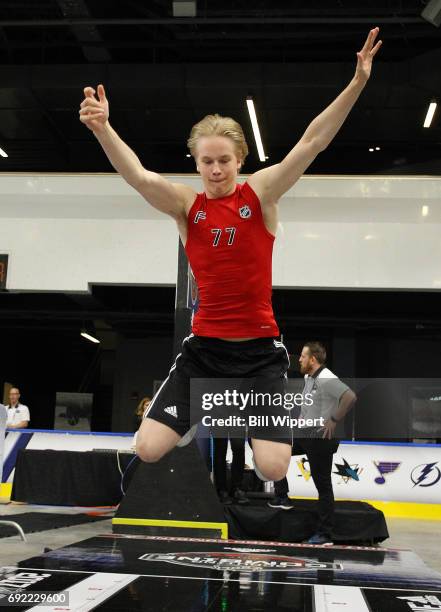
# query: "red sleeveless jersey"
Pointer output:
{"type": "Point", "coordinates": [230, 254]}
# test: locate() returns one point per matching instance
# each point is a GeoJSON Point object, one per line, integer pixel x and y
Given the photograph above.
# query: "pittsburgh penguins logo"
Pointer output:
{"type": "Point", "coordinates": [245, 212]}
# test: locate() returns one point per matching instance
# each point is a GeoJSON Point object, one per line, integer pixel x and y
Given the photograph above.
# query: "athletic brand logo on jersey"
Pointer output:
{"type": "Point", "coordinates": [385, 467]}
{"type": "Point", "coordinates": [425, 475]}
{"type": "Point", "coordinates": [237, 562]}
{"type": "Point", "coordinates": [171, 410]}
{"type": "Point", "coordinates": [245, 212]}
{"type": "Point", "coordinates": [200, 215]}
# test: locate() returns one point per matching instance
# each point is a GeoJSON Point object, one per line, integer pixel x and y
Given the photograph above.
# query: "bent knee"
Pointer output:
{"type": "Point", "coordinates": [154, 440]}
{"type": "Point", "coordinates": [277, 473]}
{"type": "Point", "coordinates": [274, 470]}
{"type": "Point", "coordinates": [149, 453]}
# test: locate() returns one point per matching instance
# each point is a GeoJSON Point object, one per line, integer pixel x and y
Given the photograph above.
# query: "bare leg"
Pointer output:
{"type": "Point", "coordinates": [154, 440]}
{"type": "Point", "coordinates": [271, 458]}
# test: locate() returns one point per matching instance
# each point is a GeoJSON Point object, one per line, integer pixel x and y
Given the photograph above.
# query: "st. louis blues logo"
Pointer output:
{"type": "Point", "coordinates": [245, 212]}
{"type": "Point", "coordinates": [385, 467]}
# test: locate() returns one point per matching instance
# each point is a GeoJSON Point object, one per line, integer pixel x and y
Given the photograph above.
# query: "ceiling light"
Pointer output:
{"type": "Point", "coordinates": [429, 116]}
{"type": "Point", "coordinates": [188, 155]}
{"type": "Point", "coordinates": [3, 153]}
{"type": "Point", "coordinates": [89, 337]}
{"type": "Point", "coordinates": [371, 149]}
{"type": "Point", "coordinates": [432, 12]}
{"type": "Point", "coordinates": [424, 210]}
{"type": "Point", "coordinates": [184, 8]}
{"type": "Point", "coordinates": [255, 126]}
{"type": "Point", "coordinates": [377, 148]}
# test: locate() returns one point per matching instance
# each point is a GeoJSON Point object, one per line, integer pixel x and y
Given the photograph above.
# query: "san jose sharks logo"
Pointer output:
{"type": "Point", "coordinates": [348, 472]}
{"type": "Point", "coordinates": [245, 211]}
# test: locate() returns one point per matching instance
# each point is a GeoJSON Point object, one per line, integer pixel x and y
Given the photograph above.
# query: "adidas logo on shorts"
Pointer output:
{"type": "Point", "coordinates": [171, 410]}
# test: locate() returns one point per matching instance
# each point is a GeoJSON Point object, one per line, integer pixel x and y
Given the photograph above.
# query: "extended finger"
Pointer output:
{"type": "Point", "coordinates": [101, 93]}
{"type": "Point", "coordinates": [373, 35]}
{"type": "Point", "coordinates": [370, 39]}
{"type": "Point", "coordinates": [375, 49]}
{"type": "Point", "coordinates": [366, 45]}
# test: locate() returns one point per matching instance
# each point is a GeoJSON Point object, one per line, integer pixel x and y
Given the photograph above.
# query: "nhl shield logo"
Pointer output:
{"type": "Point", "coordinates": [245, 212]}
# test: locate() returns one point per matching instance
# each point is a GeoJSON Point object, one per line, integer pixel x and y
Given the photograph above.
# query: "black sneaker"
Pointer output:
{"type": "Point", "coordinates": [240, 497]}
{"type": "Point", "coordinates": [281, 502]}
{"type": "Point", "coordinates": [224, 498]}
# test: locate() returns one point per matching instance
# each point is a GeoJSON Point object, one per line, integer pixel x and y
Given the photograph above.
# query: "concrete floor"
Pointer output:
{"type": "Point", "coordinates": [13, 549]}
{"type": "Point", "coordinates": [423, 537]}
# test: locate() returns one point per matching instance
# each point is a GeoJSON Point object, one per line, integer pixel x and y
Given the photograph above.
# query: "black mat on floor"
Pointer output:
{"type": "Point", "coordinates": [355, 522]}
{"type": "Point", "coordinates": [69, 478]}
{"type": "Point", "coordinates": [232, 568]}
{"type": "Point", "coordinates": [31, 522]}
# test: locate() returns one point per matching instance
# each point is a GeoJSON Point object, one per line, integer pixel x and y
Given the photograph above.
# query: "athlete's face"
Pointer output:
{"type": "Point", "coordinates": [218, 165]}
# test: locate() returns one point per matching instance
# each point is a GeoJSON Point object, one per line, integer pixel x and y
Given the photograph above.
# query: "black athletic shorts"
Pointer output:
{"type": "Point", "coordinates": [264, 360]}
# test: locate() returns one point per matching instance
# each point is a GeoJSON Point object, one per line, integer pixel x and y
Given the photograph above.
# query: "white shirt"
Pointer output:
{"type": "Point", "coordinates": [326, 390]}
{"type": "Point", "coordinates": [17, 415]}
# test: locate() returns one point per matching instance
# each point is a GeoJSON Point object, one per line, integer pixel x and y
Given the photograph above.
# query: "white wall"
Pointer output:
{"type": "Point", "coordinates": [64, 232]}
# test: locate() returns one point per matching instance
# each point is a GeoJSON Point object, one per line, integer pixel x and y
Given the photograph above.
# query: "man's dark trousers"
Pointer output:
{"type": "Point", "coordinates": [320, 456]}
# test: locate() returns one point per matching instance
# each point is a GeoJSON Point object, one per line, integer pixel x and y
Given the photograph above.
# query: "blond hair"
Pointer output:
{"type": "Point", "coordinates": [216, 125]}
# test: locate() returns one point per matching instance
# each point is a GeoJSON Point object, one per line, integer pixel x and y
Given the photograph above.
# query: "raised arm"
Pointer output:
{"type": "Point", "coordinates": [272, 182]}
{"type": "Point", "coordinates": [169, 198]}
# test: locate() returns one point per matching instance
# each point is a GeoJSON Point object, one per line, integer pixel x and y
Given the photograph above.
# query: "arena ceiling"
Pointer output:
{"type": "Point", "coordinates": [163, 73]}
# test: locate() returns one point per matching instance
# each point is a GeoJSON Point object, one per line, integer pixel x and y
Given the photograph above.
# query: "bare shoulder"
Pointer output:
{"type": "Point", "coordinates": [260, 183]}
{"type": "Point", "coordinates": [169, 198]}
{"type": "Point", "coordinates": [272, 182]}
{"type": "Point", "coordinates": [268, 203]}
{"type": "Point", "coordinates": [186, 195]}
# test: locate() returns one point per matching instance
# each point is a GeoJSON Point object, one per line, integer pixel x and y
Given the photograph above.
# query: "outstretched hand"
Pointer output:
{"type": "Point", "coordinates": [367, 54]}
{"type": "Point", "coordinates": [94, 112]}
